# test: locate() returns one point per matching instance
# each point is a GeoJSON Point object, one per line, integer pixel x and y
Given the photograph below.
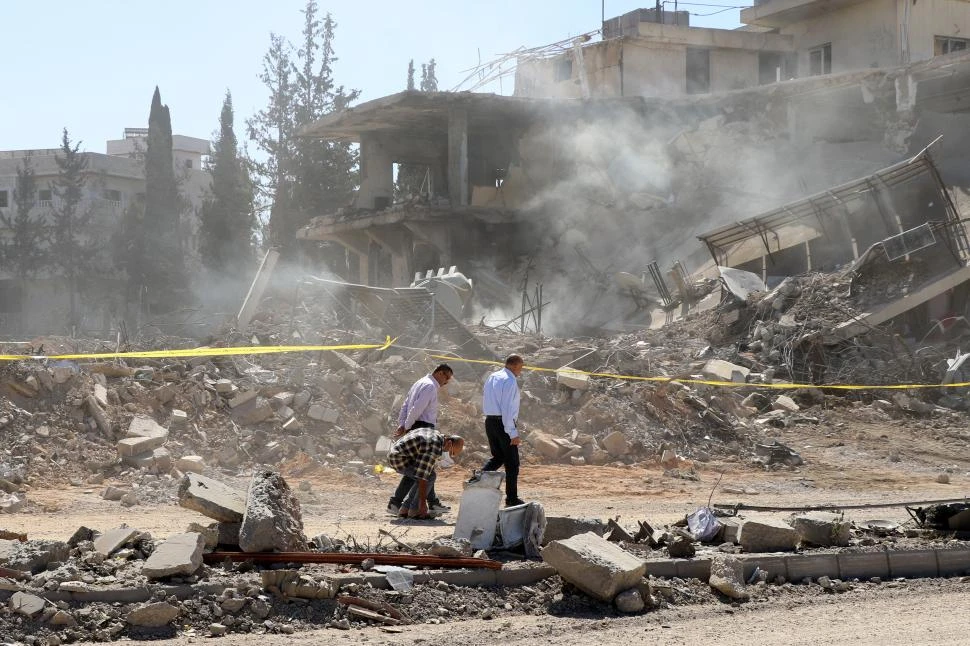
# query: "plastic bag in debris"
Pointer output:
{"type": "Point", "coordinates": [703, 525]}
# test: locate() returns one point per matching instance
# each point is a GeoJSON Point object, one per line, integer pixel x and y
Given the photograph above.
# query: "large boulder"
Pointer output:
{"type": "Point", "coordinates": [272, 521]}
{"type": "Point", "coordinates": [596, 566]}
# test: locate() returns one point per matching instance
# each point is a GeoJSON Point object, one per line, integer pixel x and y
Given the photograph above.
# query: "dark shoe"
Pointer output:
{"type": "Point", "coordinates": [438, 507]}
{"type": "Point", "coordinates": [393, 509]}
{"type": "Point", "coordinates": [513, 503]}
{"type": "Point", "coordinates": [476, 476]}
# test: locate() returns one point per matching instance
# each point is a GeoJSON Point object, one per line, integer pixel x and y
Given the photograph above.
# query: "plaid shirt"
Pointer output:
{"type": "Point", "coordinates": [418, 449]}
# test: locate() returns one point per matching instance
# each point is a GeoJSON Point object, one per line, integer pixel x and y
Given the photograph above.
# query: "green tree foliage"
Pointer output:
{"type": "Point", "coordinates": [227, 217]}
{"type": "Point", "coordinates": [429, 82]}
{"type": "Point", "coordinates": [72, 253]}
{"type": "Point", "coordinates": [165, 268]}
{"type": "Point", "coordinates": [23, 253]}
{"type": "Point", "coordinates": [410, 75]}
{"type": "Point", "coordinates": [303, 177]}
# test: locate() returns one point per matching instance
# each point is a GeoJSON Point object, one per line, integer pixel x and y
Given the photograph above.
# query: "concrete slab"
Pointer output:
{"type": "Point", "coordinates": [114, 539]}
{"type": "Point", "coordinates": [822, 528]}
{"type": "Point", "coordinates": [719, 370]}
{"type": "Point", "coordinates": [180, 554]}
{"type": "Point", "coordinates": [594, 565]}
{"type": "Point", "coordinates": [767, 535]}
{"type": "Point", "coordinates": [211, 498]}
{"type": "Point", "coordinates": [560, 527]}
{"type": "Point", "coordinates": [190, 464]}
{"type": "Point", "coordinates": [26, 604]}
{"type": "Point", "coordinates": [152, 615]}
{"type": "Point", "coordinates": [142, 426]}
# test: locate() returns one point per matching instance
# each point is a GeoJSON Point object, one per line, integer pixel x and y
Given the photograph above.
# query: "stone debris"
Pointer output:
{"type": "Point", "coordinates": [272, 520]}
{"type": "Point", "coordinates": [727, 577]}
{"type": "Point", "coordinates": [822, 529]}
{"type": "Point", "coordinates": [594, 565]}
{"type": "Point", "coordinates": [211, 498]}
{"type": "Point", "coordinates": [114, 539]}
{"type": "Point", "coordinates": [767, 535]}
{"type": "Point", "coordinates": [25, 604]}
{"type": "Point", "coordinates": [177, 555]}
{"type": "Point", "coordinates": [152, 615]}
{"type": "Point", "coordinates": [560, 527]}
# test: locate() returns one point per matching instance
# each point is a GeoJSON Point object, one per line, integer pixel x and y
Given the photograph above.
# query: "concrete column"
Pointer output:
{"type": "Point", "coordinates": [458, 157]}
{"type": "Point", "coordinates": [376, 173]}
{"type": "Point", "coordinates": [396, 243]}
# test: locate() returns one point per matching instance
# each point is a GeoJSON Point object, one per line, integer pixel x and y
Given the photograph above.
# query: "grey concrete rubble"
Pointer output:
{"type": "Point", "coordinates": [594, 565]}
{"type": "Point", "coordinates": [727, 577]}
{"type": "Point", "coordinates": [822, 529]}
{"type": "Point", "coordinates": [211, 498]}
{"type": "Point", "coordinates": [152, 615]}
{"type": "Point", "coordinates": [767, 535]}
{"type": "Point", "coordinates": [560, 527]}
{"type": "Point", "coordinates": [178, 554]}
{"type": "Point", "coordinates": [272, 520]}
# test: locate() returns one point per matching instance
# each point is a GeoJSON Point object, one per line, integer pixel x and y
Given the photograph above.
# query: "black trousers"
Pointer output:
{"type": "Point", "coordinates": [404, 487]}
{"type": "Point", "coordinates": [503, 454]}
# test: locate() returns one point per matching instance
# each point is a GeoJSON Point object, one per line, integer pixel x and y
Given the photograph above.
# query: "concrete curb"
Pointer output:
{"type": "Point", "coordinates": [465, 578]}
{"type": "Point", "coordinates": [133, 594]}
{"type": "Point", "coordinates": [885, 564]}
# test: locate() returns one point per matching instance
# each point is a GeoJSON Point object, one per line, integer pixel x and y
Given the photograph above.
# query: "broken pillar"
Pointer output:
{"type": "Point", "coordinates": [272, 520]}
{"type": "Point", "coordinates": [594, 565]}
{"type": "Point", "coordinates": [376, 174]}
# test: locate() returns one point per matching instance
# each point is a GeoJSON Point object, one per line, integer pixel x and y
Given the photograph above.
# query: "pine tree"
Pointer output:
{"type": "Point", "coordinates": [303, 177]}
{"type": "Point", "coordinates": [227, 217]}
{"type": "Point", "coordinates": [166, 277]}
{"type": "Point", "coordinates": [71, 253]}
{"type": "Point", "coordinates": [429, 82]}
{"type": "Point", "coordinates": [23, 253]}
{"type": "Point", "coordinates": [410, 75]}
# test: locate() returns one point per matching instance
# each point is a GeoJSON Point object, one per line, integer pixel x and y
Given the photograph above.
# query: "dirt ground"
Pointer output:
{"type": "Point", "coordinates": [858, 460]}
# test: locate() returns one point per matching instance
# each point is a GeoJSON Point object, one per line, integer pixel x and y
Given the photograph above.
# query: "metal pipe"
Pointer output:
{"type": "Point", "coordinates": [353, 558]}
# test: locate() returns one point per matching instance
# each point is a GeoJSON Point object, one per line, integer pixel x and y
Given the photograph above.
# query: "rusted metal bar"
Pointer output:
{"type": "Point", "coordinates": [386, 608]}
{"type": "Point", "coordinates": [352, 558]}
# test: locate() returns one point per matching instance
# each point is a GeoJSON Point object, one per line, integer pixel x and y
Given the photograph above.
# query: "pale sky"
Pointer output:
{"type": "Point", "coordinates": [92, 66]}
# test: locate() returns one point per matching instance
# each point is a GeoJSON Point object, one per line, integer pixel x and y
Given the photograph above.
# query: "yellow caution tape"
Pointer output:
{"type": "Point", "coordinates": [204, 352]}
{"type": "Point", "coordinates": [704, 382]}
{"type": "Point", "coordinates": [389, 342]}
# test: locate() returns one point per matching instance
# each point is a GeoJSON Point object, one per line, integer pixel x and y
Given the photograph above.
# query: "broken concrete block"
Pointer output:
{"type": "Point", "coordinates": [252, 412]}
{"type": "Point", "coordinates": [560, 527]}
{"type": "Point", "coordinates": [615, 444]}
{"type": "Point", "coordinates": [545, 445]}
{"type": "Point", "coordinates": [224, 386]}
{"type": "Point", "coordinates": [180, 554]}
{"type": "Point", "coordinates": [12, 503]}
{"type": "Point", "coordinates": [574, 380]}
{"type": "Point", "coordinates": [767, 535]}
{"type": "Point", "coordinates": [594, 565]}
{"type": "Point", "coordinates": [180, 419]}
{"type": "Point", "coordinates": [98, 414]}
{"type": "Point", "coordinates": [190, 464]}
{"type": "Point", "coordinates": [113, 494]}
{"type": "Point", "coordinates": [25, 604]}
{"type": "Point", "coordinates": [629, 601]}
{"type": "Point", "coordinates": [152, 615]}
{"type": "Point", "coordinates": [242, 398]}
{"type": "Point", "coordinates": [63, 619]}
{"type": "Point", "coordinates": [285, 412]}
{"type": "Point", "coordinates": [821, 528]}
{"type": "Point", "coordinates": [165, 393]}
{"type": "Point", "coordinates": [279, 400]}
{"type": "Point", "coordinates": [272, 520]}
{"type": "Point", "coordinates": [158, 460]}
{"type": "Point", "coordinates": [34, 556]}
{"type": "Point", "coordinates": [131, 446]}
{"type": "Point", "coordinates": [727, 577]}
{"type": "Point", "coordinates": [62, 374]}
{"type": "Point", "coordinates": [211, 498]}
{"type": "Point", "coordinates": [785, 403]}
{"type": "Point", "coordinates": [143, 426]}
{"type": "Point", "coordinates": [101, 395]}
{"type": "Point", "coordinates": [301, 399]}
{"type": "Point", "coordinates": [373, 425]}
{"type": "Point", "coordinates": [718, 370]}
{"type": "Point", "coordinates": [209, 532]}
{"type": "Point", "coordinates": [321, 413]}
{"type": "Point", "coordinates": [114, 539]}
{"type": "Point", "coordinates": [451, 548]}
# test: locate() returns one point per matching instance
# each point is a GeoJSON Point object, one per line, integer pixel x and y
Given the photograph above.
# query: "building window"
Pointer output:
{"type": "Point", "coordinates": [945, 45]}
{"type": "Point", "coordinates": [188, 164]}
{"type": "Point", "coordinates": [564, 69]}
{"type": "Point", "coordinates": [820, 60]}
{"type": "Point", "coordinates": [45, 197]}
{"type": "Point", "coordinates": [111, 195]}
{"type": "Point", "coordinates": [4, 199]}
{"type": "Point", "coordinates": [698, 71]}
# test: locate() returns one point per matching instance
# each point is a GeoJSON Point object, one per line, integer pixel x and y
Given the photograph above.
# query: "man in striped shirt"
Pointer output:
{"type": "Point", "coordinates": [416, 455]}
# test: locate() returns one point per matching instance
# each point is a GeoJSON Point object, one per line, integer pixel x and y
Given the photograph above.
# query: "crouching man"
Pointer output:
{"type": "Point", "coordinates": [416, 455]}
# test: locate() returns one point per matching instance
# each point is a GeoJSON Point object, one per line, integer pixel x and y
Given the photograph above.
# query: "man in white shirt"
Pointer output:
{"type": "Point", "coordinates": [420, 410]}
{"type": "Point", "coordinates": [500, 403]}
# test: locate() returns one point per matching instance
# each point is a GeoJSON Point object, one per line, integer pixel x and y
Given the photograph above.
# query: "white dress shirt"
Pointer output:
{"type": "Point", "coordinates": [501, 397]}
{"type": "Point", "coordinates": [421, 404]}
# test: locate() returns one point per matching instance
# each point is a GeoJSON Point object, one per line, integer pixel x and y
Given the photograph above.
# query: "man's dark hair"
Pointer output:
{"type": "Point", "coordinates": [514, 360]}
{"type": "Point", "coordinates": [443, 367]}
